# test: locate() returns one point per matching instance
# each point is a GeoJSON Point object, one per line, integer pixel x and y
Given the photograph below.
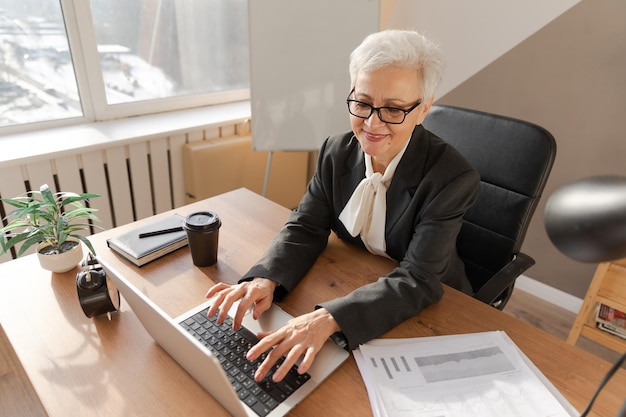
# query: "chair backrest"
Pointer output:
{"type": "Point", "coordinates": [514, 159]}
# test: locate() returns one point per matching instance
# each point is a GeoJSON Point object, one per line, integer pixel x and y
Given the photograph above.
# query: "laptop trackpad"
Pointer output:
{"type": "Point", "coordinates": [272, 319]}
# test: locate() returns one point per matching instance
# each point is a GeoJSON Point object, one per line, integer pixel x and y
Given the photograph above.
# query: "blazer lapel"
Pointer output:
{"type": "Point", "coordinates": [405, 180]}
{"type": "Point", "coordinates": [354, 173]}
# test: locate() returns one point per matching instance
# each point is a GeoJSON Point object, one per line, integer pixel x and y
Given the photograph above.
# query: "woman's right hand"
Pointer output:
{"type": "Point", "coordinates": [257, 294]}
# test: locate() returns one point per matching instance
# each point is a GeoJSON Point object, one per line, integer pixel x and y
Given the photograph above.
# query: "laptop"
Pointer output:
{"type": "Point", "coordinates": [205, 365]}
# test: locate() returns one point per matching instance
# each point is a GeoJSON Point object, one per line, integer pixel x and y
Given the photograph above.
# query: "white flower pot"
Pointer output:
{"type": "Point", "coordinates": [62, 262]}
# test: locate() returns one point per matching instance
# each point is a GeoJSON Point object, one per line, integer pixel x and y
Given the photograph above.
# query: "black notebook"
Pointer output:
{"type": "Point", "coordinates": [140, 251]}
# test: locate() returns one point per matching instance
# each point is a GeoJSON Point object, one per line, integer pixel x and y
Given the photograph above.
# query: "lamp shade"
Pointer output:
{"type": "Point", "coordinates": [586, 220]}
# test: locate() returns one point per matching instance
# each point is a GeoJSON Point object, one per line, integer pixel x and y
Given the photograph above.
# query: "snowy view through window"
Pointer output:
{"type": "Point", "coordinates": [37, 79]}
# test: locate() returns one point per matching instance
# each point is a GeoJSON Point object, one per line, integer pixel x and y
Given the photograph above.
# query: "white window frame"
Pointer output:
{"type": "Point", "coordinates": [86, 61]}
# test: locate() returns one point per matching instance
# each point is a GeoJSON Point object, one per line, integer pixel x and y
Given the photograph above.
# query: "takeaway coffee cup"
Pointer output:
{"type": "Point", "coordinates": [202, 233]}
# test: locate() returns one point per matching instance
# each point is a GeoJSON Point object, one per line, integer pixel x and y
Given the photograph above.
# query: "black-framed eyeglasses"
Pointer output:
{"type": "Point", "coordinates": [392, 115]}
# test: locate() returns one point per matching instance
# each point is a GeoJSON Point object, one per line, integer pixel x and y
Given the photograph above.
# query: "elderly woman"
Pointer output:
{"type": "Point", "coordinates": [388, 185]}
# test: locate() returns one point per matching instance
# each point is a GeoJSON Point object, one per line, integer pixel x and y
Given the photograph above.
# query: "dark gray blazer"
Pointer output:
{"type": "Point", "coordinates": [430, 191]}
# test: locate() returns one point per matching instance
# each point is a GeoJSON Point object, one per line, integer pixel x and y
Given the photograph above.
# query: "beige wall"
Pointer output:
{"type": "Point", "coordinates": [569, 77]}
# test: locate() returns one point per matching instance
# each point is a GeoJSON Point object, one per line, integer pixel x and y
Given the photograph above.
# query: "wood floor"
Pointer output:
{"type": "Point", "coordinates": [17, 397]}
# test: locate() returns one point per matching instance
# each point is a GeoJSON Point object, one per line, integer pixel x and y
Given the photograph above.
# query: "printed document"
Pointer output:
{"type": "Point", "coordinates": [477, 374]}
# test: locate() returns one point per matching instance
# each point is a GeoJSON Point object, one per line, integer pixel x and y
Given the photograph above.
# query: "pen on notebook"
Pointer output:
{"type": "Point", "coordinates": [160, 232]}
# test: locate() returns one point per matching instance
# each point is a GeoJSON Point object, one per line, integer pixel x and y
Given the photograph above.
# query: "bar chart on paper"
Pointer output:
{"type": "Point", "coordinates": [445, 367]}
{"type": "Point", "coordinates": [481, 374]}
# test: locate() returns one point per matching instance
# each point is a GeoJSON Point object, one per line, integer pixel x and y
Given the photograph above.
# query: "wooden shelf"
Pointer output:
{"type": "Point", "coordinates": [608, 287]}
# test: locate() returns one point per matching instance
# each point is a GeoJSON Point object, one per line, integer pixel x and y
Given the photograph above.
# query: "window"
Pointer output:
{"type": "Point", "coordinates": [101, 59]}
{"type": "Point", "coordinates": [36, 74]}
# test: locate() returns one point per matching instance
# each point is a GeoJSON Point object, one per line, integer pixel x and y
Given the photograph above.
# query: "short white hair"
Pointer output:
{"type": "Point", "coordinates": [399, 48]}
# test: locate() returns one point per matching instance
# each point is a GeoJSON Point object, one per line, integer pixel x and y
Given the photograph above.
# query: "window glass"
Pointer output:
{"type": "Point", "coordinates": [37, 80]}
{"type": "Point", "coordinates": [165, 48]}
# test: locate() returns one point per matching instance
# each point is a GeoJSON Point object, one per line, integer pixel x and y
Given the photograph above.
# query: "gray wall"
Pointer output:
{"type": "Point", "coordinates": [569, 77]}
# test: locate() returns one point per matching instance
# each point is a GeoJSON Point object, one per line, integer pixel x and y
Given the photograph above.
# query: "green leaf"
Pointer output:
{"type": "Point", "coordinates": [47, 195]}
{"type": "Point", "coordinates": [86, 242]}
{"type": "Point", "coordinates": [14, 241]}
{"type": "Point", "coordinates": [14, 202]}
{"type": "Point", "coordinates": [79, 197]}
{"type": "Point", "coordinates": [13, 226]}
{"type": "Point", "coordinates": [33, 240]}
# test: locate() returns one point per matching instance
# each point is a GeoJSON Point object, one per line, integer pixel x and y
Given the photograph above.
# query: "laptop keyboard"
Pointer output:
{"type": "Point", "coordinates": [230, 348]}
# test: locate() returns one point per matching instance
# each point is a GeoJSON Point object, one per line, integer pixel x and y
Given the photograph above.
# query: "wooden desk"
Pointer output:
{"type": "Point", "coordinates": [97, 367]}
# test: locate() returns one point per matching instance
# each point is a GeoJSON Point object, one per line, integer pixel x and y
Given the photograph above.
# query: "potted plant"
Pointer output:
{"type": "Point", "coordinates": [51, 221]}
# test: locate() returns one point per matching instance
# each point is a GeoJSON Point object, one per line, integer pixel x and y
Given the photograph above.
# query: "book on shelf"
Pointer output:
{"type": "Point", "coordinates": [164, 236]}
{"type": "Point", "coordinates": [611, 320]}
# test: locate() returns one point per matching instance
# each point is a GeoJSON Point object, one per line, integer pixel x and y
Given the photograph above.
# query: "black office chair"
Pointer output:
{"type": "Point", "coordinates": [514, 159]}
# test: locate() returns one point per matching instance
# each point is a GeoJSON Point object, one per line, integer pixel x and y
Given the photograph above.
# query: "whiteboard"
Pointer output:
{"type": "Point", "coordinates": [299, 79]}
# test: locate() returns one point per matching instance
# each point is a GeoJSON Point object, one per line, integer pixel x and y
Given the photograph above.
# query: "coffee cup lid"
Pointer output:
{"type": "Point", "coordinates": [203, 221]}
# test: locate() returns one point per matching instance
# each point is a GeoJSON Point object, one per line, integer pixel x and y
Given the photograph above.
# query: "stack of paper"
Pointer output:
{"type": "Point", "coordinates": [480, 374]}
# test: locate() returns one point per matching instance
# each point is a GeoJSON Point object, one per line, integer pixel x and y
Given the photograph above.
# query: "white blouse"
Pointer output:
{"type": "Point", "coordinates": [365, 212]}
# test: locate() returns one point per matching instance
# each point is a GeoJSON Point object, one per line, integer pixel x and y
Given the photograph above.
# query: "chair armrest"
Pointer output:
{"type": "Point", "coordinates": [504, 279]}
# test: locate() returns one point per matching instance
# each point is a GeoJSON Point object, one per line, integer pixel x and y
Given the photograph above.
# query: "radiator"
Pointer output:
{"type": "Point", "coordinates": [216, 166]}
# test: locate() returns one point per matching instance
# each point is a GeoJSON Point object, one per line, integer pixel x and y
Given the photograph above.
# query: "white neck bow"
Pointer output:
{"type": "Point", "coordinates": [366, 210]}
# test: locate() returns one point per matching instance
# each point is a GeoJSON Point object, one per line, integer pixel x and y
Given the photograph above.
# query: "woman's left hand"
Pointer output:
{"type": "Point", "coordinates": [302, 336]}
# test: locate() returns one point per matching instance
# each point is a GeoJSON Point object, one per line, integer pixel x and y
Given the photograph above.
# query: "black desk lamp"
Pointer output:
{"type": "Point", "coordinates": [586, 221]}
